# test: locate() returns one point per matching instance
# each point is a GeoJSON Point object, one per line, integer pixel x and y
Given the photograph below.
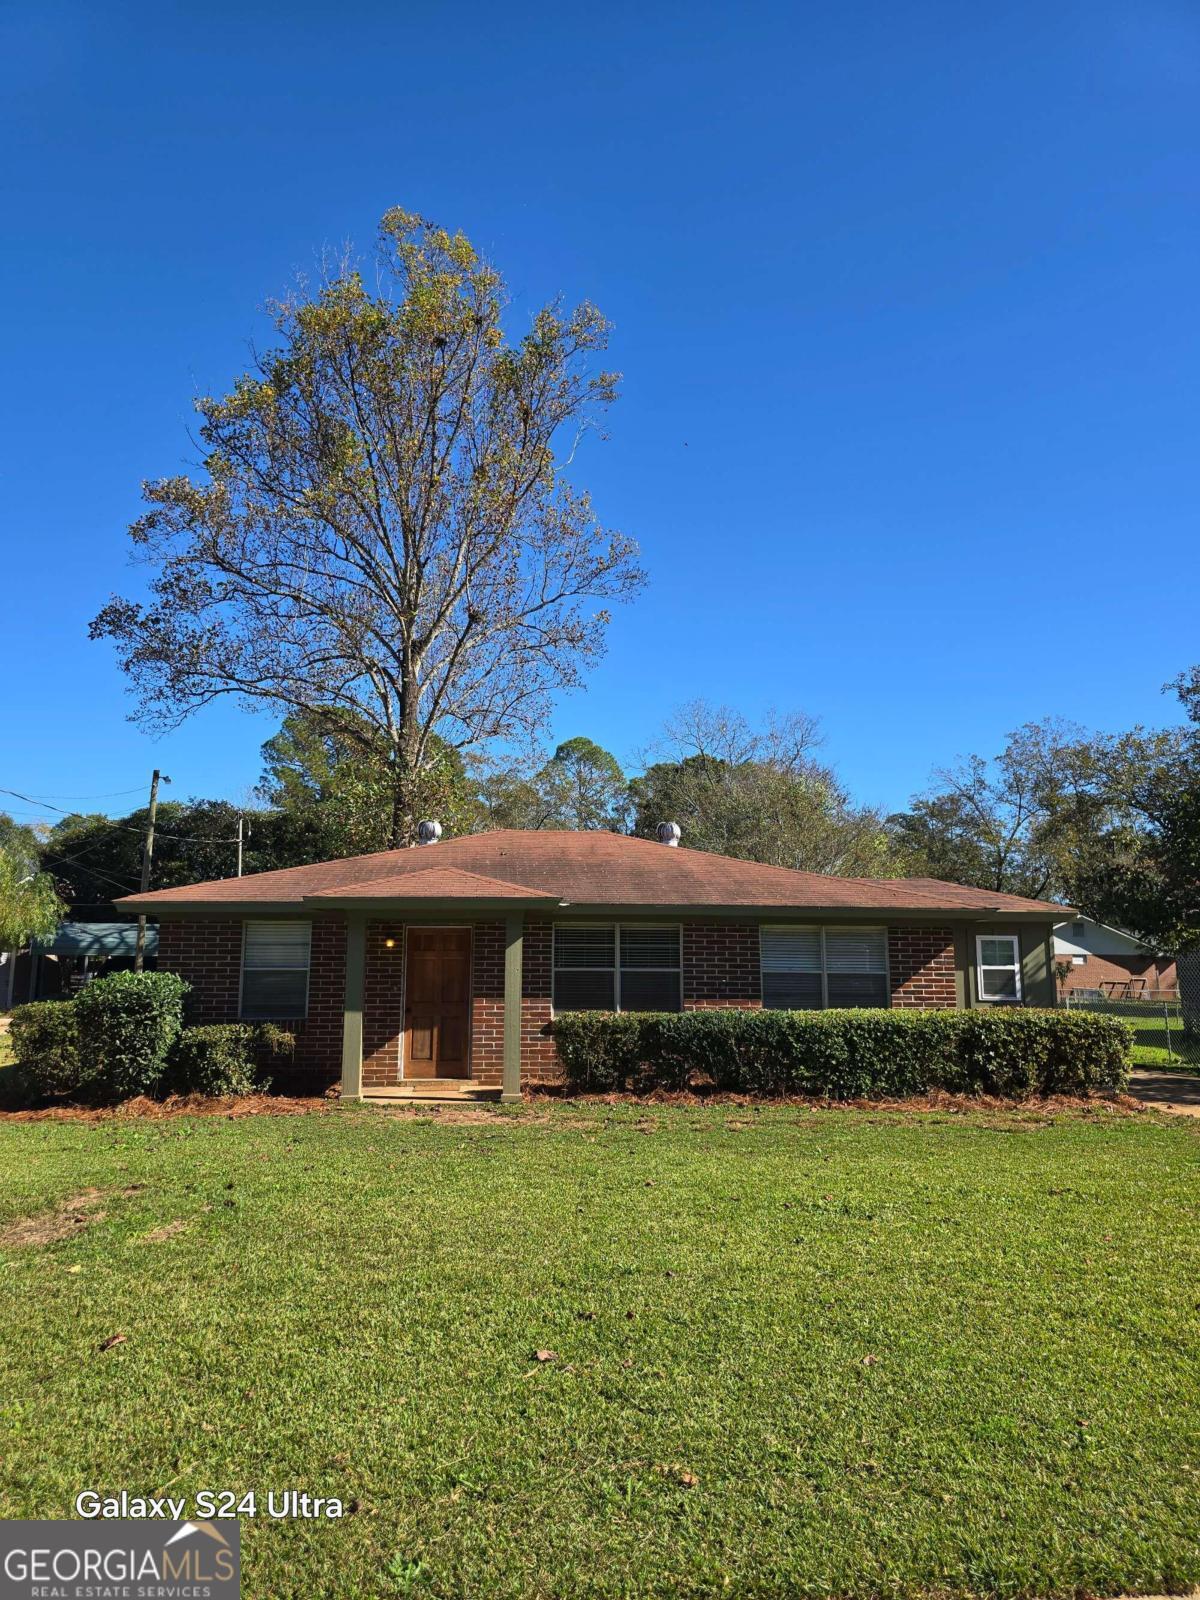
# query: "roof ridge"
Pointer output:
{"type": "Point", "coordinates": [461, 874]}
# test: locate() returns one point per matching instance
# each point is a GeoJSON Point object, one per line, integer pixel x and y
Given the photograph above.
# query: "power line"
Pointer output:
{"type": "Point", "coordinates": [43, 805]}
{"type": "Point", "coordinates": [121, 827]}
{"type": "Point", "coordinates": [67, 861]}
{"type": "Point", "coordinates": [104, 794]}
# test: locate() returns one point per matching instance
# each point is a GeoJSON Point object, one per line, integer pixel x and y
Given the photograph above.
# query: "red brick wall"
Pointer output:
{"type": "Point", "coordinates": [207, 953]}
{"type": "Point", "coordinates": [319, 1036]}
{"type": "Point", "coordinates": [383, 1004]}
{"type": "Point", "coordinates": [539, 1058]}
{"type": "Point", "coordinates": [1160, 976]}
{"type": "Point", "coordinates": [721, 966]}
{"type": "Point", "coordinates": [921, 962]}
{"type": "Point", "coordinates": [487, 1004]}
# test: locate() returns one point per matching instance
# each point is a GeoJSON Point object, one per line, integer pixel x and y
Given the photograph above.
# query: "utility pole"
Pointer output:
{"type": "Point", "coordinates": [139, 956]}
{"type": "Point", "coordinates": [241, 820]}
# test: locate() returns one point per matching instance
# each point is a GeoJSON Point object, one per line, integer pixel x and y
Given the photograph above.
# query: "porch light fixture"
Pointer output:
{"type": "Point", "coordinates": [389, 944]}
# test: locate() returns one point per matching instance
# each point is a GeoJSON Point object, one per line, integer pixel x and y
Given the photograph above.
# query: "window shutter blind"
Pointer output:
{"type": "Point", "coordinates": [649, 947]}
{"type": "Point", "coordinates": [271, 946]}
{"type": "Point", "coordinates": [856, 967]}
{"type": "Point", "coordinates": [791, 950]}
{"type": "Point", "coordinates": [854, 972]}
{"type": "Point", "coordinates": [584, 947]}
{"type": "Point", "coordinates": [791, 969]}
{"type": "Point", "coordinates": [586, 961]}
{"type": "Point", "coordinates": [856, 950]}
{"type": "Point", "coordinates": [791, 991]}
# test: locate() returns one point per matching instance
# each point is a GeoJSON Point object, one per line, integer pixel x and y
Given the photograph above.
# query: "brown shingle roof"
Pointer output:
{"type": "Point", "coordinates": [588, 869]}
{"type": "Point", "coordinates": [438, 883]}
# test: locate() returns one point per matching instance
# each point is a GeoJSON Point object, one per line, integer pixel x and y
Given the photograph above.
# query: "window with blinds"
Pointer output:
{"type": "Point", "coordinates": [585, 961]}
{"type": "Point", "coordinates": [616, 968]}
{"type": "Point", "coordinates": [649, 969]}
{"type": "Point", "coordinates": [809, 969]}
{"type": "Point", "coordinates": [791, 969]}
{"type": "Point", "coordinates": [275, 958]}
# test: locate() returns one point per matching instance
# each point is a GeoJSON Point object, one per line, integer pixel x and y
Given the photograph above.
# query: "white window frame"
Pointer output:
{"type": "Point", "coordinates": [266, 921]}
{"type": "Point", "coordinates": [1014, 942]}
{"type": "Point", "coordinates": [616, 969]}
{"type": "Point", "coordinates": [820, 928]}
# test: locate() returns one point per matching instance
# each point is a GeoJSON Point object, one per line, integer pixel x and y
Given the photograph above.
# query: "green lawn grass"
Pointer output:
{"type": "Point", "coordinates": [899, 1355]}
{"type": "Point", "coordinates": [1151, 1034]}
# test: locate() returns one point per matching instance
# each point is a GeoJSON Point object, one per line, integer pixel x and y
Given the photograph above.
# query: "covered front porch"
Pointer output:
{"type": "Point", "coordinates": [433, 1006]}
{"type": "Point", "coordinates": [434, 973]}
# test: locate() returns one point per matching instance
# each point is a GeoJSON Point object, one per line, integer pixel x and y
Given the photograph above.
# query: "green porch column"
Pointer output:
{"type": "Point", "coordinates": [352, 1018]}
{"type": "Point", "coordinates": [514, 939]}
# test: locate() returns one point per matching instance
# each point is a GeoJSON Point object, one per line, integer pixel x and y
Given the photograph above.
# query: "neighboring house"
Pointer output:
{"type": "Point", "coordinates": [1109, 960]}
{"type": "Point", "coordinates": [448, 961]}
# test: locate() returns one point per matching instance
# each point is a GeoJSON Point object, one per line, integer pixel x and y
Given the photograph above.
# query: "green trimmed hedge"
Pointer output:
{"type": "Point", "coordinates": [227, 1058]}
{"type": "Point", "coordinates": [45, 1041]}
{"type": "Point", "coordinates": [846, 1055]}
{"type": "Point", "coordinates": [127, 1025]}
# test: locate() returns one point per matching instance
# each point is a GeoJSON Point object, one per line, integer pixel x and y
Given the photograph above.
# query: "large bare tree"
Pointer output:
{"type": "Point", "coordinates": [383, 538]}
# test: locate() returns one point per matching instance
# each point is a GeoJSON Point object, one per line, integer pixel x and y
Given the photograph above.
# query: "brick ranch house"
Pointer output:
{"type": "Point", "coordinates": [1096, 959]}
{"type": "Point", "coordinates": [442, 966]}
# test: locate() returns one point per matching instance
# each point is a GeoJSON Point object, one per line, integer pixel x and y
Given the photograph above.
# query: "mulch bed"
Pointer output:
{"type": "Point", "coordinates": [936, 1100]}
{"type": "Point", "coordinates": [277, 1105]}
{"type": "Point", "coordinates": [181, 1105]}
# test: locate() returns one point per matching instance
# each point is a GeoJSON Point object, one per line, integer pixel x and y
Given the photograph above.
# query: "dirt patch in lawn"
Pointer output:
{"type": "Point", "coordinates": [181, 1105]}
{"type": "Point", "coordinates": [457, 1115]}
{"type": "Point", "coordinates": [66, 1220]}
{"type": "Point", "coordinates": [167, 1231]}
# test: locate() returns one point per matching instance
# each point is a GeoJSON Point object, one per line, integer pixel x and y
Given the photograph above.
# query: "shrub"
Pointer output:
{"type": "Point", "coordinates": [45, 1041]}
{"type": "Point", "coordinates": [226, 1058]}
{"type": "Point", "coordinates": [845, 1055]}
{"type": "Point", "coordinates": [600, 1050]}
{"type": "Point", "coordinates": [127, 1025]}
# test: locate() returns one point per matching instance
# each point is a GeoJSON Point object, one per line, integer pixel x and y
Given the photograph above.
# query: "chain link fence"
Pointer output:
{"type": "Point", "coordinates": [1165, 1032]}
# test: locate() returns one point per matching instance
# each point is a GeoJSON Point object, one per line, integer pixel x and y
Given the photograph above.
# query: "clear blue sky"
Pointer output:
{"type": "Point", "coordinates": [905, 297]}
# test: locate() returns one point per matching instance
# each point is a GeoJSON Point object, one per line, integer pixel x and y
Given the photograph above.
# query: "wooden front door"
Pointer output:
{"type": "Point", "coordinates": [437, 1002]}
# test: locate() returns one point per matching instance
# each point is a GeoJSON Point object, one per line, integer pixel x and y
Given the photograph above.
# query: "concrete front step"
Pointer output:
{"type": "Point", "coordinates": [436, 1091]}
